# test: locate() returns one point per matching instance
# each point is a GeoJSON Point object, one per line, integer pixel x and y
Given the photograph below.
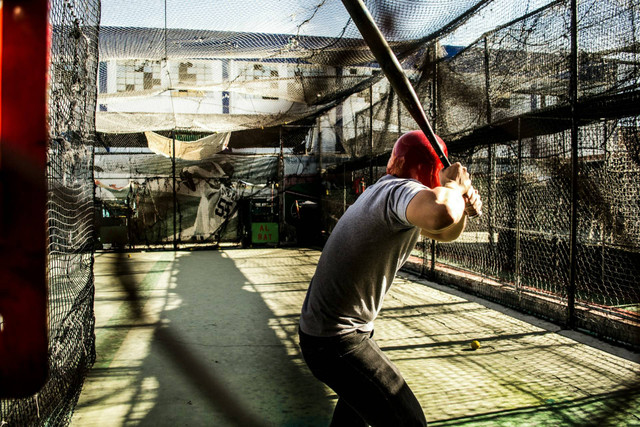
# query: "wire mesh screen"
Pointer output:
{"type": "Point", "coordinates": [72, 95]}
{"type": "Point", "coordinates": [607, 48]}
{"type": "Point", "coordinates": [518, 89]}
{"type": "Point", "coordinates": [504, 105]}
{"type": "Point", "coordinates": [293, 81]}
{"type": "Point", "coordinates": [520, 76]}
{"type": "Point", "coordinates": [522, 239]}
{"type": "Point", "coordinates": [608, 250]}
{"type": "Point", "coordinates": [70, 210]}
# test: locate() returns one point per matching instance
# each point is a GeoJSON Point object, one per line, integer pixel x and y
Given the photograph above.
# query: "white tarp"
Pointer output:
{"type": "Point", "coordinates": [201, 149]}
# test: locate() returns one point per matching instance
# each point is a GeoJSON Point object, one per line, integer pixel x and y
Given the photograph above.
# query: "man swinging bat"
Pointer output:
{"type": "Point", "coordinates": [369, 244]}
{"type": "Point", "coordinates": [422, 193]}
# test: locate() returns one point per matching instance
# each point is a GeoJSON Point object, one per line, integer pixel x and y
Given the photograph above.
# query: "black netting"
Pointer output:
{"type": "Point", "coordinates": [72, 95]}
{"type": "Point", "coordinates": [609, 231]}
{"type": "Point", "coordinates": [170, 68]}
{"type": "Point", "coordinates": [145, 199]}
{"type": "Point", "coordinates": [504, 105]}
{"type": "Point", "coordinates": [72, 104]}
{"type": "Point", "coordinates": [193, 127]}
{"type": "Point", "coordinates": [500, 80]}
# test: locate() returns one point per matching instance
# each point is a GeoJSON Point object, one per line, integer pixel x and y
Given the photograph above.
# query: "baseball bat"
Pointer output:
{"type": "Point", "coordinates": [393, 71]}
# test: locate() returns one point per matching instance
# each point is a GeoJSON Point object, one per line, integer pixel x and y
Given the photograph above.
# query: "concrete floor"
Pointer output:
{"type": "Point", "coordinates": [216, 336]}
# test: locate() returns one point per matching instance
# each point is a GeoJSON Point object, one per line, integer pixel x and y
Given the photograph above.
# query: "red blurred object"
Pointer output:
{"type": "Point", "coordinates": [23, 143]}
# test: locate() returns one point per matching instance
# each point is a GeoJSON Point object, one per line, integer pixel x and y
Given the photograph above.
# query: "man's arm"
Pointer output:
{"type": "Point", "coordinates": [448, 235]}
{"type": "Point", "coordinates": [440, 212]}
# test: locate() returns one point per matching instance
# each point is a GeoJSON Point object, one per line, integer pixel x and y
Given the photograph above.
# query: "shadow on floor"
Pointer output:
{"type": "Point", "coordinates": [216, 352]}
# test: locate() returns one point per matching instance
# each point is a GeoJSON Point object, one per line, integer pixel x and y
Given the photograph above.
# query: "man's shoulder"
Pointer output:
{"type": "Point", "coordinates": [390, 181]}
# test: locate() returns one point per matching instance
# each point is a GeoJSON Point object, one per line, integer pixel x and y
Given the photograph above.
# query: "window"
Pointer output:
{"type": "Point", "coordinates": [183, 73]}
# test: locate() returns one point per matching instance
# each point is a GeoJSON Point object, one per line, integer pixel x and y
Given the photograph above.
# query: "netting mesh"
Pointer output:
{"type": "Point", "coordinates": [496, 78]}
{"type": "Point", "coordinates": [72, 104]}
{"type": "Point", "coordinates": [523, 241]}
{"type": "Point", "coordinates": [72, 94]}
{"type": "Point", "coordinates": [520, 76]}
{"type": "Point", "coordinates": [609, 237]}
{"type": "Point", "coordinates": [286, 61]}
{"type": "Point", "coordinates": [304, 120]}
{"type": "Point", "coordinates": [504, 104]}
{"type": "Point", "coordinates": [146, 199]}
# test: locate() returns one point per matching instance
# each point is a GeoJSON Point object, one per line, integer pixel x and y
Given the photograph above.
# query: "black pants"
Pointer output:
{"type": "Point", "coordinates": [370, 389]}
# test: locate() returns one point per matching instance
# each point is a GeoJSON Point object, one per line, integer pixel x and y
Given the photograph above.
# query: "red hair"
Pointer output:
{"type": "Point", "coordinates": [414, 157]}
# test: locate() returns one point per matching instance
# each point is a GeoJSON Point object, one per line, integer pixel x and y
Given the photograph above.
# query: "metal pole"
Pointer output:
{"type": "Point", "coordinates": [355, 136]}
{"type": "Point", "coordinates": [370, 135]}
{"type": "Point", "coordinates": [175, 197]}
{"type": "Point", "coordinates": [319, 145]}
{"type": "Point", "coordinates": [491, 194]}
{"type": "Point", "coordinates": [602, 235]}
{"type": "Point", "coordinates": [165, 32]}
{"type": "Point", "coordinates": [434, 106]}
{"type": "Point", "coordinates": [281, 177]}
{"type": "Point", "coordinates": [399, 102]}
{"type": "Point", "coordinates": [433, 258]}
{"type": "Point", "coordinates": [518, 207]}
{"type": "Point", "coordinates": [487, 80]}
{"type": "Point", "coordinates": [573, 96]}
{"type": "Point", "coordinates": [344, 188]}
{"type": "Point", "coordinates": [490, 150]}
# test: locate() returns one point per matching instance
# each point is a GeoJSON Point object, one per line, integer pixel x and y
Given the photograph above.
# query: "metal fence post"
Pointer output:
{"type": "Point", "coordinates": [281, 175]}
{"type": "Point", "coordinates": [433, 258]}
{"type": "Point", "coordinates": [175, 196]}
{"type": "Point", "coordinates": [490, 150]}
{"type": "Point", "coordinates": [319, 145]}
{"type": "Point", "coordinates": [487, 81]}
{"type": "Point", "coordinates": [518, 209]}
{"type": "Point", "coordinates": [370, 135]}
{"type": "Point", "coordinates": [434, 109]}
{"type": "Point", "coordinates": [399, 103]}
{"type": "Point", "coordinates": [603, 241]}
{"type": "Point", "coordinates": [573, 96]}
{"type": "Point", "coordinates": [344, 188]}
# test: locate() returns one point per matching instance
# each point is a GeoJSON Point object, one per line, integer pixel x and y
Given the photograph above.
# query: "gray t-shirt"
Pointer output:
{"type": "Point", "coordinates": [370, 243]}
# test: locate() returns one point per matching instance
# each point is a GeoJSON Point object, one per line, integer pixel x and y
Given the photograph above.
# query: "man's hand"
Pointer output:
{"type": "Point", "coordinates": [440, 212]}
{"type": "Point", "coordinates": [473, 203]}
{"type": "Point", "coordinates": [456, 177]}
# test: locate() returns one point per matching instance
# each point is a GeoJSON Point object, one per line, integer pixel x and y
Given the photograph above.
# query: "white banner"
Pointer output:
{"type": "Point", "coordinates": [201, 149]}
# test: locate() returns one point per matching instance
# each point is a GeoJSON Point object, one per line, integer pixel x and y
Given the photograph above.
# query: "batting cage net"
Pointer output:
{"type": "Point", "coordinates": [177, 123]}
{"type": "Point", "coordinates": [214, 131]}
{"type": "Point", "coordinates": [549, 133]}
{"type": "Point", "coordinates": [72, 96]}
